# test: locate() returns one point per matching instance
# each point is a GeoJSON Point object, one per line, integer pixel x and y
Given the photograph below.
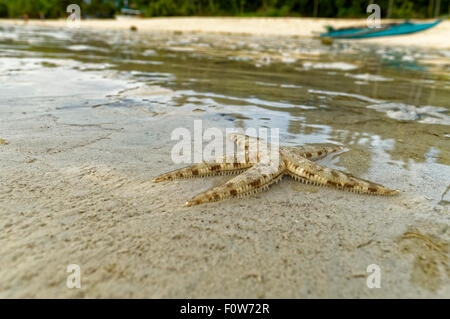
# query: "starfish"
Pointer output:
{"type": "Point", "coordinates": [258, 174]}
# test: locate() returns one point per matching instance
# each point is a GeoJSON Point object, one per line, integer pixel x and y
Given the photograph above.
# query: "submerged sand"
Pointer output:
{"type": "Point", "coordinates": [436, 37]}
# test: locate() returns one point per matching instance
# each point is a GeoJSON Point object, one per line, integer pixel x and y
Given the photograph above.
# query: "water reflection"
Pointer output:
{"type": "Point", "coordinates": [390, 105]}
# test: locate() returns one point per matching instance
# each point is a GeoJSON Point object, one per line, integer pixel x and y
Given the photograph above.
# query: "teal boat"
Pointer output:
{"type": "Point", "coordinates": [384, 31]}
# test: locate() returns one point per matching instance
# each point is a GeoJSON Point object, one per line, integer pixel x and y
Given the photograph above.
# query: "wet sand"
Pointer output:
{"type": "Point", "coordinates": [76, 188]}
{"type": "Point", "coordinates": [436, 37]}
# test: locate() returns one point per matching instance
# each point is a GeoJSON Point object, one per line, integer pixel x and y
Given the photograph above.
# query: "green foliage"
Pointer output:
{"type": "Point", "coordinates": [169, 8]}
{"type": "Point", "coordinates": [34, 8]}
{"type": "Point", "coordinates": [275, 8]}
{"type": "Point", "coordinates": [3, 9]}
{"type": "Point", "coordinates": [403, 9]}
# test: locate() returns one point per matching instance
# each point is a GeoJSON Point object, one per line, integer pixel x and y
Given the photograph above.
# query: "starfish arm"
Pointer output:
{"type": "Point", "coordinates": [313, 152]}
{"type": "Point", "coordinates": [307, 171]}
{"type": "Point", "coordinates": [259, 177]}
{"type": "Point", "coordinates": [221, 166]}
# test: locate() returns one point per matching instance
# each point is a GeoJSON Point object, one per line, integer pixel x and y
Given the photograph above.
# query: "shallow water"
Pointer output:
{"type": "Point", "coordinates": [390, 106]}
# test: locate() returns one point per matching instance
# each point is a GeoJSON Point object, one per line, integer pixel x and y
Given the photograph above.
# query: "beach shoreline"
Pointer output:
{"type": "Point", "coordinates": [435, 38]}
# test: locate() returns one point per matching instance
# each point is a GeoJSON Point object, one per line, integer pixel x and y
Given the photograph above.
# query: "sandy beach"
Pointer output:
{"type": "Point", "coordinates": [79, 151]}
{"type": "Point", "coordinates": [436, 37]}
{"type": "Point", "coordinates": [79, 192]}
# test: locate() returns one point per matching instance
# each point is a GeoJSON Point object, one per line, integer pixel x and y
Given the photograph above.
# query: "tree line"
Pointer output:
{"type": "Point", "coordinates": [245, 8]}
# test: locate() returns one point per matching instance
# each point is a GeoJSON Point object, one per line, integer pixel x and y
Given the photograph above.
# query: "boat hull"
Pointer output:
{"type": "Point", "coordinates": [383, 31]}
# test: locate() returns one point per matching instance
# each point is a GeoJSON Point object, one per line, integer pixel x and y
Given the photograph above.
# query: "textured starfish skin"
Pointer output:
{"type": "Point", "coordinates": [257, 175]}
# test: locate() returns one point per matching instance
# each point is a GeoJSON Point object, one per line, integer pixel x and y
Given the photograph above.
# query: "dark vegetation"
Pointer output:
{"type": "Point", "coordinates": [271, 8]}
